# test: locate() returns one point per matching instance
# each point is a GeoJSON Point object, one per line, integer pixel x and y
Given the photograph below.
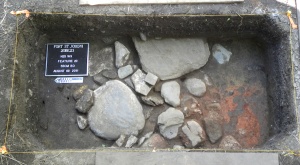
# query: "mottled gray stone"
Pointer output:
{"type": "Point", "coordinates": [153, 99]}
{"type": "Point", "coordinates": [125, 71]}
{"type": "Point", "coordinates": [155, 141]}
{"type": "Point", "coordinates": [82, 122]}
{"type": "Point", "coordinates": [221, 54]}
{"type": "Point", "coordinates": [194, 133]}
{"type": "Point", "coordinates": [170, 91]}
{"type": "Point", "coordinates": [151, 78]}
{"type": "Point", "coordinates": [213, 129]}
{"type": "Point", "coordinates": [116, 111]}
{"type": "Point", "coordinates": [109, 73]}
{"type": "Point", "coordinates": [169, 122]}
{"type": "Point", "coordinates": [138, 80]}
{"type": "Point", "coordinates": [171, 58]}
{"type": "Point", "coordinates": [105, 56]}
{"type": "Point", "coordinates": [85, 102]}
{"type": "Point", "coordinates": [195, 86]}
{"type": "Point", "coordinates": [122, 54]}
{"type": "Point", "coordinates": [131, 141]}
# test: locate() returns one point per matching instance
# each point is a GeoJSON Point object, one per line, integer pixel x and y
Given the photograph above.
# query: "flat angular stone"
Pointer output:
{"type": "Point", "coordinates": [116, 111]}
{"type": "Point", "coordinates": [151, 79]}
{"type": "Point", "coordinates": [100, 79]}
{"type": "Point", "coordinates": [170, 58]}
{"type": "Point", "coordinates": [170, 91]}
{"type": "Point", "coordinates": [122, 54]}
{"type": "Point", "coordinates": [125, 71]}
{"type": "Point", "coordinates": [140, 86]}
{"type": "Point", "coordinates": [106, 57]}
{"type": "Point", "coordinates": [194, 133]}
{"type": "Point", "coordinates": [109, 73]}
{"type": "Point", "coordinates": [131, 141]}
{"type": "Point", "coordinates": [169, 122]}
{"type": "Point", "coordinates": [153, 99]}
{"type": "Point", "coordinates": [121, 140]}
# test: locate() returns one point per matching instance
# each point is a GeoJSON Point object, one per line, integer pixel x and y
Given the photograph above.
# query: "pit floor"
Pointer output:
{"type": "Point", "coordinates": [240, 86]}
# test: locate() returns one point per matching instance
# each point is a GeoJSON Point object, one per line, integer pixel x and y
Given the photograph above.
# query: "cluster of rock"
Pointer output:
{"type": "Point", "coordinates": [114, 111]}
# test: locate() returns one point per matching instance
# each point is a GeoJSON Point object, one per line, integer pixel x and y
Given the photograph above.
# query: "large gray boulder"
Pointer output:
{"type": "Point", "coordinates": [116, 111]}
{"type": "Point", "coordinates": [171, 58]}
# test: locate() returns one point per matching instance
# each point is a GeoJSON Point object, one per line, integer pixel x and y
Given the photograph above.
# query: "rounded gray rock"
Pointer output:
{"type": "Point", "coordinates": [170, 91]}
{"type": "Point", "coordinates": [195, 86]}
{"type": "Point", "coordinates": [116, 111]}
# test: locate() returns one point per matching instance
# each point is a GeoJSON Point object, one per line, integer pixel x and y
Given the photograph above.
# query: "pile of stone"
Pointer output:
{"type": "Point", "coordinates": [114, 110]}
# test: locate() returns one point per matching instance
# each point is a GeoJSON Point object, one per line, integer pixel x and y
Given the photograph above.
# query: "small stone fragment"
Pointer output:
{"type": "Point", "coordinates": [230, 143]}
{"type": "Point", "coordinates": [221, 54]}
{"type": "Point", "coordinates": [141, 141]}
{"type": "Point", "coordinates": [207, 80]}
{"type": "Point", "coordinates": [82, 122]}
{"type": "Point", "coordinates": [129, 82]}
{"type": "Point", "coordinates": [153, 99]}
{"type": "Point", "coordinates": [147, 111]}
{"type": "Point", "coordinates": [178, 147]}
{"type": "Point", "coordinates": [169, 122]}
{"type": "Point", "coordinates": [157, 87]}
{"type": "Point", "coordinates": [195, 86]}
{"type": "Point", "coordinates": [85, 102]}
{"type": "Point", "coordinates": [121, 140]}
{"type": "Point", "coordinates": [194, 133]}
{"type": "Point", "coordinates": [122, 54]}
{"type": "Point", "coordinates": [155, 141]}
{"type": "Point", "coordinates": [99, 79]}
{"type": "Point", "coordinates": [138, 79]}
{"type": "Point", "coordinates": [125, 71]}
{"type": "Point", "coordinates": [213, 129]}
{"type": "Point", "coordinates": [214, 106]}
{"type": "Point", "coordinates": [109, 73]}
{"type": "Point", "coordinates": [143, 36]}
{"type": "Point", "coordinates": [79, 92]}
{"type": "Point", "coordinates": [151, 79]}
{"type": "Point", "coordinates": [131, 141]}
{"type": "Point", "coordinates": [170, 91]}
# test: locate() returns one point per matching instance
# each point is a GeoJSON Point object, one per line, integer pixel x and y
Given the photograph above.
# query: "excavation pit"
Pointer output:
{"type": "Point", "coordinates": [252, 92]}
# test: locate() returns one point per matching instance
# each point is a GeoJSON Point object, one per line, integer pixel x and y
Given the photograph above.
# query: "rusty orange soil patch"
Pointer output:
{"type": "Point", "coordinates": [248, 128]}
{"type": "Point", "coordinates": [228, 104]}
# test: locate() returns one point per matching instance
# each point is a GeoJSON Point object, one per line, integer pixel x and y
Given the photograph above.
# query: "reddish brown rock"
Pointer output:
{"type": "Point", "coordinates": [155, 141]}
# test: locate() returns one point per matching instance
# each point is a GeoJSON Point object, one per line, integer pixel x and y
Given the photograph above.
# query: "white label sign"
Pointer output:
{"type": "Point", "coordinates": [69, 80]}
